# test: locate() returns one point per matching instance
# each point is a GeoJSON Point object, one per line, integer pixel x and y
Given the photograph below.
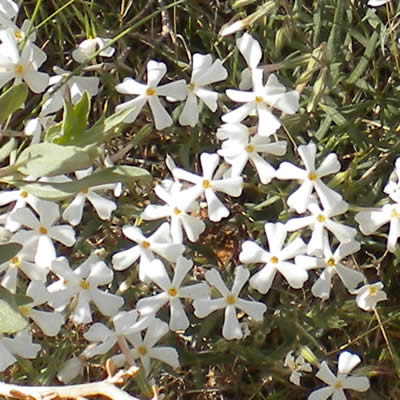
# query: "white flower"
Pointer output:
{"type": "Point", "coordinates": [49, 322]}
{"type": "Point", "coordinates": [252, 53]}
{"type": "Point", "coordinates": [72, 90]}
{"type": "Point", "coordinates": [371, 220]}
{"type": "Point", "coordinates": [377, 3]}
{"type": "Point", "coordinates": [125, 323]}
{"type": "Point", "coordinates": [275, 259]}
{"type": "Point", "coordinates": [150, 93]}
{"type": "Point", "coordinates": [89, 46]}
{"type": "Point", "coordinates": [70, 370]}
{"type": "Point", "coordinates": [21, 67]}
{"type": "Point", "coordinates": [297, 366]}
{"type": "Point", "coordinates": [242, 148]}
{"type": "Point", "coordinates": [145, 349]}
{"type": "Point", "coordinates": [337, 384]}
{"type": "Point", "coordinates": [104, 207]}
{"type": "Point", "coordinates": [22, 198]}
{"type": "Point", "coordinates": [160, 242]}
{"type": "Point", "coordinates": [369, 295]}
{"type": "Point", "coordinates": [179, 204]}
{"type": "Point", "coordinates": [83, 283]}
{"type": "Point", "coordinates": [207, 185]}
{"type": "Point", "coordinates": [261, 101]}
{"type": "Point", "coordinates": [204, 73]}
{"type": "Point", "coordinates": [20, 345]}
{"type": "Point", "coordinates": [23, 261]}
{"type": "Point", "coordinates": [230, 302]}
{"type": "Point", "coordinates": [43, 232]}
{"type": "Point", "coordinates": [311, 177]}
{"type": "Point", "coordinates": [172, 292]}
{"type": "Point", "coordinates": [331, 262]}
{"type": "Point", "coordinates": [320, 221]}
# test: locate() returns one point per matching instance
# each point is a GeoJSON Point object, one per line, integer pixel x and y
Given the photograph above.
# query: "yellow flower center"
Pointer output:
{"type": "Point", "coordinates": [43, 230]}
{"type": "Point", "coordinates": [312, 176]}
{"type": "Point", "coordinates": [191, 86]}
{"type": "Point", "coordinates": [24, 195]}
{"type": "Point", "coordinates": [249, 148]}
{"type": "Point", "coordinates": [395, 214]}
{"type": "Point", "coordinates": [19, 69]}
{"type": "Point", "coordinates": [142, 350]}
{"type": "Point", "coordinates": [206, 184]}
{"type": "Point", "coordinates": [19, 35]}
{"type": "Point", "coordinates": [331, 262]}
{"type": "Point", "coordinates": [372, 290]}
{"type": "Point", "coordinates": [274, 260]}
{"type": "Point", "coordinates": [172, 292]}
{"type": "Point", "coordinates": [150, 92]}
{"type": "Point", "coordinates": [177, 211]}
{"type": "Point", "coordinates": [85, 190]}
{"type": "Point", "coordinates": [15, 261]}
{"type": "Point", "coordinates": [145, 244]}
{"type": "Point", "coordinates": [25, 310]}
{"type": "Point", "coordinates": [259, 99]}
{"type": "Point", "coordinates": [84, 284]}
{"type": "Point", "coordinates": [321, 218]}
{"type": "Point", "coordinates": [230, 299]}
{"type": "Point", "coordinates": [338, 385]}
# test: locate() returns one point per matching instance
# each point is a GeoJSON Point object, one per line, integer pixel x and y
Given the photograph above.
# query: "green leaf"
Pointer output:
{"type": "Point", "coordinates": [49, 159]}
{"type": "Point", "coordinates": [8, 251]}
{"type": "Point", "coordinates": [12, 100]}
{"type": "Point", "coordinates": [60, 191]}
{"type": "Point", "coordinates": [11, 320]}
{"type": "Point", "coordinates": [6, 149]}
{"type": "Point", "coordinates": [75, 120]}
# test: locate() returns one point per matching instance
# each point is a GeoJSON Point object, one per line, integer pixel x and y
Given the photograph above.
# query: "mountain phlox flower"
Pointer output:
{"type": "Point", "coordinates": [83, 282]}
{"type": "Point", "coordinates": [49, 322]}
{"type": "Point", "coordinates": [243, 148]}
{"type": "Point", "coordinates": [320, 221]}
{"type": "Point", "coordinates": [297, 365]}
{"type": "Point", "coordinates": [160, 243]}
{"type": "Point", "coordinates": [20, 345]}
{"type": "Point", "coordinates": [172, 292]}
{"type": "Point", "coordinates": [104, 207]}
{"type": "Point", "coordinates": [89, 46]}
{"type": "Point", "coordinates": [104, 338]}
{"type": "Point", "coordinates": [229, 301]}
{"type": "Point", "coordinates": [9, 8]}
{"type": "Point", "coordinates": [311, 179]}
{"type": "Point", "coordinates": [21, 66]}
{"type": "Point", "coordinates": [332, 265]}
{"type": "Point", "coordinates": [150, 93]}
{"type": "Point", "coordinates": [42, 232]}
{"type": "Point", "coordinates": [204, 72]}
{"type": "Point", "coordinates": [22, 198]}
{"type": "Point", "coordinates": [371, 220]}
{"type": "Point", "coordinates": [392, 188]}
{"type": "Point", "coordinates": [276, 259]}
{"type": "Point", "coordinates": [261, 101]}
{"type": "Point", "coordinates": [208, 186]}
{"type": "Point", "coordinates": [369, 295]}
{"type": "Point", "coordinates": [23, 261]}
{"type": "Point", "coordinates": [72, 90]}
{"type": "Point", "coordinates": [145, 347]}
{"type": "Point", "coordinates": [178, 206]}
{"type": "Point", "coordinates": [337, 384]}
{"type": "Point", "coordinates": [252, 52]}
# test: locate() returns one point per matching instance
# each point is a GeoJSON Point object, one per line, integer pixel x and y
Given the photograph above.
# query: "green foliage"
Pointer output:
{"type": "Point", "coordinates": [12, 100]}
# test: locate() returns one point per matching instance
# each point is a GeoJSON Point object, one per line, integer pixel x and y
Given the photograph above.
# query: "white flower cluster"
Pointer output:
{"type": "Point", "coordinates": [248, 136]}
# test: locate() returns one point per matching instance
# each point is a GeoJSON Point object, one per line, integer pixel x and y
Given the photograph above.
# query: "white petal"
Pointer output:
{"type": "Point", "coordinates": [295, 275]}
{"type": "Point", "coordinates": [262, 280]}
{"type": "Point", "coordinates": [216, 210]}
{"type": "Point", "coordinates": [37, 81]}
{"type": "Point", "coordinates": [307, 153]}
{"type": "Point", "coordinates": [253, 253]}
{"type": "Point", "coordinates": [107, 303]}
{"type": "Point", "coordinates": [322, 287]}
{"type": "Point", "coordinates": [178, 319]}
{"type": "Point", "coordinates": [136, 105]}
{"type": "Point", "coordinates": [347, 362]}
{"type": "Point", "coordinates": [288, 102]}
{"type": "Point", "coordinates": [268, 124]}
{"type": "Point", "coordinates": [174, 90]}
{"type": "Point", "coordinates": [190, 113]}
{"type": "Point", "coordinates": [350, 277]}
{"type": "Point", "coordinates": [73, 213]}
{"type": "Point", "coordinates": [162, 119]}
{"type": "Point", "coordinates": [155, 72]}
{"type": "Point", "coordinates": [168, 355]}
{"type": "Point", "coordinates": [358, 383]}
{"type": "Point", "coordinates": [63, 234]}
{"type": "Point", "coordinates": [124, 259]}
{"type": "Point", "coordinates": [158, 274]}
{"type": "Point", "coordinates": [231, 328]}
{"type": "Point", "coordinates": [254, 309]}
{"type": "Point", "coordinates": [104, 207]}
{"type": "Point", "coordinates": [239, 114]}
{"type": "Point", "coordinates": [208, 97]}
{"type": "Point", "coordinates": [321, 394]}
{"type": "Point", "coordinates": [288, 171]}
{"type": "Point", "coordinates": [214, 279]}
{"type": "Point", "coordinates": [276, 235]}
{"type": "Point", "coordinates": [49, 322]}
{"type": "Point", "coordinates": [150, 305]}
{"type": "Point", "coordinates": [242, 274]}
{"type": "Point", "coordinates": [301, 198]}
{"type": "Point", "coordinates": [130, 86]}
{"type": "Point", "coordinates": [45, 252]}
{"type": "Point", "coordinates": [344, 233]}
{"type": "Point", "coordinates": [329, 198]}
{"type": "Point", "coordinates": [250, 49]}
{"type": "Point", "coordinates": [371, 221]}
{"type": "Point", "coordinates": [204, 307]}
{"type": "Point", "coordinates": [193, 226]}
{"type": "Point", "coordinates": [265, 171]}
